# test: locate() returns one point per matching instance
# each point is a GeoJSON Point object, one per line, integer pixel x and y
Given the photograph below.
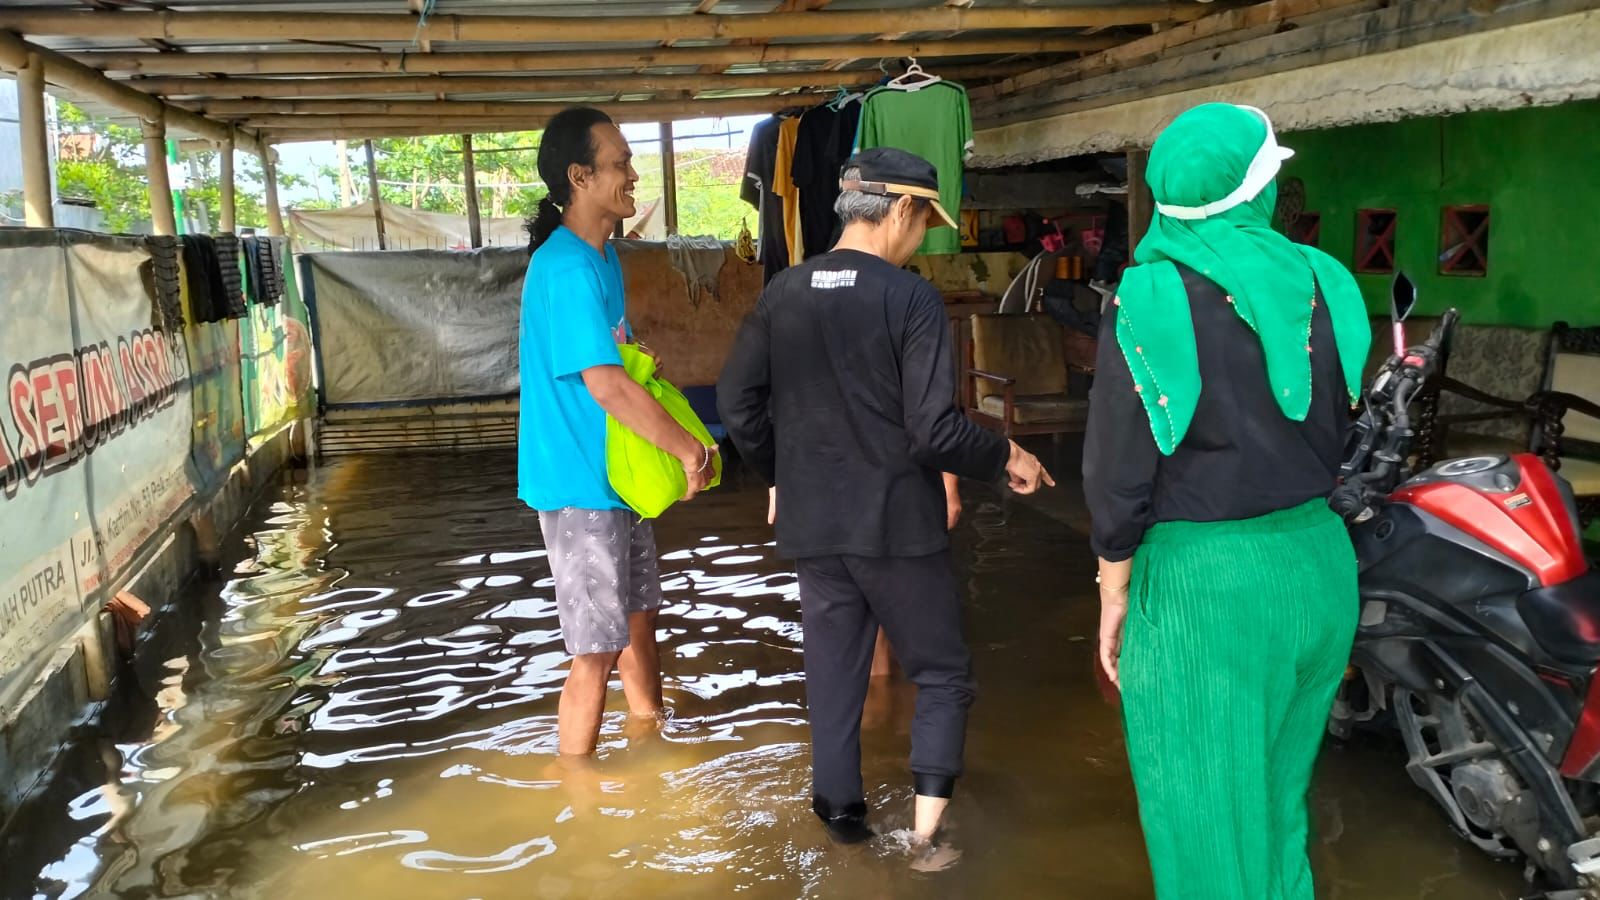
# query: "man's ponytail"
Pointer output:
{"type": "Point", "coordinates": [544, 223]}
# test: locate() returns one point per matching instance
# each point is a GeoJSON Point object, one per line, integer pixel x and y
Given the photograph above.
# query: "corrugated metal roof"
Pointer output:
{"type": "Point", "coordinates": [244, 55]}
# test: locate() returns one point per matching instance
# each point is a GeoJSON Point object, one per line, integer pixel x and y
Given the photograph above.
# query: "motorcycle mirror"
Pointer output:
{"type": "Point", "coordinates": [1402, 297]}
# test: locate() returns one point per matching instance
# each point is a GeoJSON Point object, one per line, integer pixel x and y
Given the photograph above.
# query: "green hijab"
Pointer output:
{"type": "Point", "coordinates": [1202, 172]}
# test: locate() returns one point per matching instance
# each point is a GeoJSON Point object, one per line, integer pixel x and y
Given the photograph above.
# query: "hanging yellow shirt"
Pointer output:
{"type": "Point", "coordinates": [784, 187]}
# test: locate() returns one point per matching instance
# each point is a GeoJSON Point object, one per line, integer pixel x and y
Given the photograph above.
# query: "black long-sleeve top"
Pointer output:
{"type": "Point", "coordinates": [1241, 458]}
{"type": "Point", "coordinates": [840, 390]}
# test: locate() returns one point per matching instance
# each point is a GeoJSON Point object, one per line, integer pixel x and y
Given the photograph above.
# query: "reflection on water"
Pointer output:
{"type": "Point", "coordinates": [366, 708]}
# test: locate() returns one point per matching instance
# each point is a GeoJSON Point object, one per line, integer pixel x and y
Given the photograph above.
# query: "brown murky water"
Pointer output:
{"type": "Point", "coordinates": [366, 708]}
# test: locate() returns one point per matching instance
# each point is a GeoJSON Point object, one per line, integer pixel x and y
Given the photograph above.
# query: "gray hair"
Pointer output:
{"type": "Point", "coordinates": [859, 206]}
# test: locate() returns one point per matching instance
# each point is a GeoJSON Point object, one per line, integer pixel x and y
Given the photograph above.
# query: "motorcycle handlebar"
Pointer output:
{"type": "Point", "coordinates": [1353, 499]}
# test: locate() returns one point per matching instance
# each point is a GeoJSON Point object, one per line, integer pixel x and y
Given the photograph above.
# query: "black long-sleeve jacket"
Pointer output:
{"type": "Point", "coordinates": [840, 390]}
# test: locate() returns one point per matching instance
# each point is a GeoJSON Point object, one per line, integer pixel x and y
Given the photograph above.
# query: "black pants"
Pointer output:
{"type": "Point", "coordinates": [843, 600]}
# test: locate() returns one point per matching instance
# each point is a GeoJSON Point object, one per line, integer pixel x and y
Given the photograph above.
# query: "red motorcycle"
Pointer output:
{"type": "Point", "coordinates": [1479, 634]}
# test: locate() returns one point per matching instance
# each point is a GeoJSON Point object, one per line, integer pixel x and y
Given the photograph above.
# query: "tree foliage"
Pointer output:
{"type": "Point", "coordinates": [427, 173]}
{"type": "Point", "coordinates": [110, 171]}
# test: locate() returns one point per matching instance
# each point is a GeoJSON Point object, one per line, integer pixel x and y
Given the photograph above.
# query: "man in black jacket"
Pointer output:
{"type": "Point", "coordinates": [840, 393]}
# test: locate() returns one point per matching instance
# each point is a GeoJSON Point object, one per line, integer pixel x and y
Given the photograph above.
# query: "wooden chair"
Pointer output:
{"type": "Point", "coordinates": [1017, 383]}
{"type": "Point", "coordinates": [1566, 416]}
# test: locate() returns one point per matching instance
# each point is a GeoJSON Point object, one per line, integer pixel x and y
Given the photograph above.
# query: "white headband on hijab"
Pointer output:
{"type": "Point", "coordinates": [1263, 168]}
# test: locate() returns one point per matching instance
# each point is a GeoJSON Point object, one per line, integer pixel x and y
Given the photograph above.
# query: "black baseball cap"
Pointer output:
{"type": "Point", "coordinates": [891, 172]}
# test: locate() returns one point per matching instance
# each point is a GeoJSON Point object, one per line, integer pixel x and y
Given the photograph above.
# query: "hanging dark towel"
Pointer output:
{"type": "Point", "coordinates": [277, 255]}
{"type": "Point", "coordinates": [232, 276]}
{"type": "Point", "coordinates": [266, 274]}
{"type": "Point", "coordinates": [208, 296]}
{"type": "Point", "coordinates": [257, 282]}
{"type": "Point", "coordinates": [161, 276]}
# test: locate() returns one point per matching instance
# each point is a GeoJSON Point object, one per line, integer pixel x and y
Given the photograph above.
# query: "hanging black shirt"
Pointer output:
{"type": "Point", "coordinates": [839, 390]}
{"type": "Point", "coordinates": [760, 161]}
{"type": "Point", "coordinates": [1241, 458]}
{"type": "Point", "coordinates": [822, 148]}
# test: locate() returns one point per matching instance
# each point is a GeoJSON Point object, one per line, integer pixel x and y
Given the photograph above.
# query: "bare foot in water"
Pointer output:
{"type": "Point", "coordinates": [580, 780]}
{"type": "Point", "coordinates": [644, 728]}
{"type": "Point", "coordinates": [929, 857]}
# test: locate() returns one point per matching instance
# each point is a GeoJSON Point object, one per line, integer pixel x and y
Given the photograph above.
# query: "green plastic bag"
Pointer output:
{"type": "Point", "coordinates": [646, 477]}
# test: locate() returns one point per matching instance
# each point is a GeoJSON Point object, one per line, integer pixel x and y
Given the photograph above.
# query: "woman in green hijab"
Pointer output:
{"type": "Point", "coordinates": [1228, 589]}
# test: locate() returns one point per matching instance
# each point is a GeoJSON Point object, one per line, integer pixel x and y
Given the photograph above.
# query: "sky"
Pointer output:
{"type": "Point", "coordinates": [731, 133]}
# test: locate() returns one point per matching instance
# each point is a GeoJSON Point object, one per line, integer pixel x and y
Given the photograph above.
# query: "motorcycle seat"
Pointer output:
{"type": "Point", "coordinates": [1565, 619]}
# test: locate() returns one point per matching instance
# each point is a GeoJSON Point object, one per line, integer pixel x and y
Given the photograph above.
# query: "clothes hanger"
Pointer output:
{"type": "Point", "coordinates": [844, 98]}
{"type": "Point", "coordinates": [914, 78]}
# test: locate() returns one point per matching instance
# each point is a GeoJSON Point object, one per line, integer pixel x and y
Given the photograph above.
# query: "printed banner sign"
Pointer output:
{"type": "Point", "coordinates": [94, 434]}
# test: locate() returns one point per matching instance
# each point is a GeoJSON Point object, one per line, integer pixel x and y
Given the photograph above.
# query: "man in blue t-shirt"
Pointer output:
{"type": "Point", "coordinates": [573, 316]}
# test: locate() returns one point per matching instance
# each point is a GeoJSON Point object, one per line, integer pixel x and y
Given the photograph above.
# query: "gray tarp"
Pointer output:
{"type": "Point", "coordinates": [417, 326]}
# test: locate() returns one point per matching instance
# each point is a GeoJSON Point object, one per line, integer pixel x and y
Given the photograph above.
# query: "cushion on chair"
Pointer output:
{"type": "Point", "coordinates": [1499, 360]}
{"type": "Point", "coordinates": [1582, 474]}
{"type": "Point", "coordinates": [1052, 409]}
{"type": "Point", "coordinates": [1027, 348]}
{"type": "Point", "coordinates": [1578, 374]}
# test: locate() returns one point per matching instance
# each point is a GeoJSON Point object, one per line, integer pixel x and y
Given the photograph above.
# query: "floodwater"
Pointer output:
{"type": "Point", "coordinates": [366, 708]}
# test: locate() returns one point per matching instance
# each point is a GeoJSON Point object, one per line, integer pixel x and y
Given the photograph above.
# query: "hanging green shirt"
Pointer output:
{"type": "Point", "coordinates": [935, 123]}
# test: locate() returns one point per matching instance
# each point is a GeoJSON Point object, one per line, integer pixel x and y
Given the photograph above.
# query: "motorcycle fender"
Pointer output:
{"type": "Point", "coordinates": [1405, 661]}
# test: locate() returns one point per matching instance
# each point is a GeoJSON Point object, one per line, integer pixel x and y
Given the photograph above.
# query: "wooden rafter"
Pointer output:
{"type": "Point", "coordinates": [15, 55]}
{"type": "Point", "coordinates": [304, 64]}
{"type": "Point", "coordinates": [786, 6]}
{"type": "Point", "coordinates": [1222, 26]}
{"type": "Point", "coordinates": [274, 88]}
{"type": "Point", "coordinates": [244, 26]}
{"type": "Point", "coordinates": [270, 112]}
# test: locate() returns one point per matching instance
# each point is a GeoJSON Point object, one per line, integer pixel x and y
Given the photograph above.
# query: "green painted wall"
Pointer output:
{"type": "Point", "coordinates": [1537, 169]}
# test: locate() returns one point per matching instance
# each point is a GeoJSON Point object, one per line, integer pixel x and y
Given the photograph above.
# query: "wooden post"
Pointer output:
{"type": "Point", "coordinates": [669, 179]}
{"type": "Point", "coordinates": [162, 216]}
{"type": "Point", "coordinates": [1141, 206]}
{"type": "Point", "coordinates": [377, 199]}
{"type": "Point", "coordinates": [35, 146]}
{"type": "Point", "coordinates": [229, 211]}
{"type": "Point", "coordinates": [269, 172]}
{"type": "Point", "coordinates": [470, 170]}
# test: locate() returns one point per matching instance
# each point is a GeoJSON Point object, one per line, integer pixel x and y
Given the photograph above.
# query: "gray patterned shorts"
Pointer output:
{"type": "Point", "coordinates": [604, 562]}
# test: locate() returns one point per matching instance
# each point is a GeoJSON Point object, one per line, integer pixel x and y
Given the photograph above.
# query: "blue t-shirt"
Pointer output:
{"type": "Point", "coordinates": [572, 307]}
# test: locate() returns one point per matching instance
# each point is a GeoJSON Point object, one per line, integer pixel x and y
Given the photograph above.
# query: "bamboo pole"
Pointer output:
{"type": "Point", "coordinates": [269, 170]}
{"type": "Point", "coordinates": [368, 62]}
{"type": "Point", "coordinates": [394, 121]}
{"type": "Point", "coordinates": [486, 109]}
{"type": "Point", "coordinates": [229, 213]}
{"type": "Point", "coordinates": [377, 199]}
{"type": "Point", "coordinates": [470, 178]}
{"type": "Point", "coordinates": [36, 194]}
{"type": "Point", "coordinates": [80, 79]}
{"type": "Point", "coordinates": [162, 217]}
{"type": "Point", "coordinates": [301, 26]}
{"type": "Point", "coordinates": [288, 88]}
{"type": "Point", "coordinates": [669, 178]}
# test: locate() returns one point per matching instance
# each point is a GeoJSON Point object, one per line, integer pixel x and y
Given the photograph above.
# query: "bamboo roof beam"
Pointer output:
{"type": "Point", "coordinates": [291, 88]}
{"type": "Point", "coordinates": [366, 62]}
{"type": "Point", "coordinates": [497, 117]}
{"type": "Point", "coordinates": [289, 26]}
{"type": "Point", "coordinates": [81, 80]}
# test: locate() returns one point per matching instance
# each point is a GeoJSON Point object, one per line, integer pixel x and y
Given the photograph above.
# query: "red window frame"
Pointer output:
{"type": "Point", "coordinates": [1464, 241]}
{"type": "Point", "coordinates": [1307, 229]}
{"type": "Point", "coordinates": [1375, 231]}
